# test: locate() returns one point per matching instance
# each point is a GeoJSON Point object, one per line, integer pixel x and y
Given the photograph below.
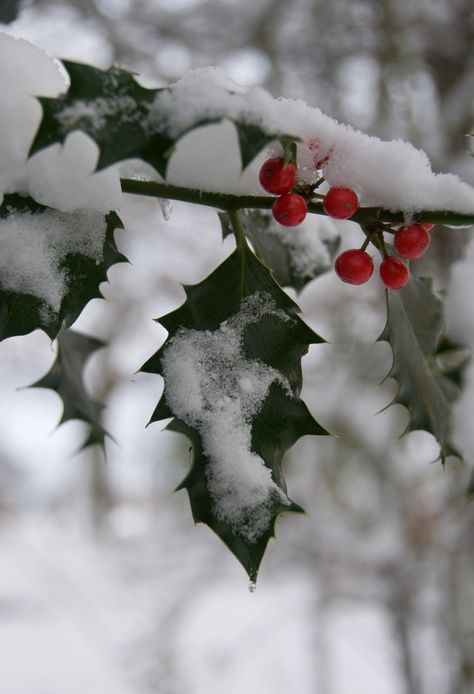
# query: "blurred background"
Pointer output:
{"type": "Point", "coordinates": [106, 586]}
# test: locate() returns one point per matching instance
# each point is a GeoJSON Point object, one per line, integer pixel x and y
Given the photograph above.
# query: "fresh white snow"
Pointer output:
{"type": "Point", "coordinates": [34, 246]}
{"type": "Point", "coordinates": [394, 175]}
{"type": "Point", "coordinates": [60, 177]}
{"type": "Point", "coordinates": [211, 386]}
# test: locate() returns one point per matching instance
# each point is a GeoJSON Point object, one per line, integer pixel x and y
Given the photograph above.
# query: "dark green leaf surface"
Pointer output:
{"type": "Point", "coordinates": [127, 120]}
{"type": "Point", "coordinates": [111, 107]}
{"type": "Point", "coordinates": [252, 139]}
{"type": "Point", "coordinates": [9, 10]}
{"type": "Point", "coordinates": [66, 379]}
{"type": "Point", "coordinates": [276, 340]}
{"type": "Point", "coordinates": [279, 250]}
{"type": "Point", "coordinates": [414, 329]}
{"type": "Point", "coordinates": [451, 360]}
{"type": "Point", "coordinates": [22, 312]}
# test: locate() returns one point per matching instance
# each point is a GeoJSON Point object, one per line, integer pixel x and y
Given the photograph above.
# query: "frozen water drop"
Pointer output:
{"type": "Point", "coordinates": [252, 587]}
{"type": "Point", "coordinates": [166, 207]}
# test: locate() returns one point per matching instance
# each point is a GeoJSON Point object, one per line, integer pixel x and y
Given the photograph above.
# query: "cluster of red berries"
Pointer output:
{"type": "Point", "coordinates": [278, 177]}
{"type": "Point", "coordinates": [410, 242]}
{"type": "Point", "coordinates": [355, 266]}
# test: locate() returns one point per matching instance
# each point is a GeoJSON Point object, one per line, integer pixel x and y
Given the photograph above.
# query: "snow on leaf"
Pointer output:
{"type": "Point", "coordinates": [232, 372]}
{"type": "Point", "coordinates": [51, 264]}
{"type": "Point", "coordinates": [108, 105]}
{"type": "Point", "coordinates": [414, 330]}
{"type": "Point", "coordinates": [66, 378]}
{"type": "Point", "coordinates": [295, 255]}
{"type": "Point", "coordinates": [127, 120]}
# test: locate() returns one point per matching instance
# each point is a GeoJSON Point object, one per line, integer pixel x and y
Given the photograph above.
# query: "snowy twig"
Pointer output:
{"type": "Point", "coordinates": [228, 201]}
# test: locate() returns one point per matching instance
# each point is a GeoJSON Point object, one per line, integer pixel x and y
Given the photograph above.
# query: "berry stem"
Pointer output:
{"type": "Point", "coordinates": [240, 240]}
{"type": "Point", "coordinates": [227, 201]}
{"type": "Point", "coordinates": [383, 247]}
{"type": "Point", "coordinates": [241, 244]}
{"type": "Point", "coordinates": [374, 235]}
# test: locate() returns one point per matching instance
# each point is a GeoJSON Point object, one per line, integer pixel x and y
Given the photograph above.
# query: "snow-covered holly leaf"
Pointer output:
{"type": "Point", "coordinates": [66, 378]}
{"type": "Point", "coordinates": [232, 372]}
{"type": "Point", "coordinates": [51, 264]}
{"type": "Point", "coordinates": [112, 108]}
{"type": "Point", "coordinates": [414, 330]}
{"type": "Point", "coordinates": [295, 255]}
{"type": "Point", "coordinates": [127, 120]}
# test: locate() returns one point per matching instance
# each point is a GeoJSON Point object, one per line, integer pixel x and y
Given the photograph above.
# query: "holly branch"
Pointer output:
{"type": "Point", "coordinates": [228, 201]}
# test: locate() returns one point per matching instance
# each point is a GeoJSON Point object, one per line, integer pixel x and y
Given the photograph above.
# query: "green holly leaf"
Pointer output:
{"type": "Point", "coordinates": [296, 255]}
{"type": "Point", "coordinates": [127, 120]}
{"type": "Point", "coordinates": [451, 360]}
{"type": "Point", "coordinates": [252, 139]}
{"type": "Point", "coordinates": [52, 264]}
{"type": "Point", "coordinates": [112, 108]}
{"type": "Point", "coordinates": [9, 10]}
{"type": "Point", "coordinates": [232, 372]}
{"type": "Point", "coordinates": [414, 330]}
{"type": "Point", "coordinates": [66, 378]}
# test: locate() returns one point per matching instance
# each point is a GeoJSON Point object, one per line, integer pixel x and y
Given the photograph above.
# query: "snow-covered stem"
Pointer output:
{"type": "Point", "coordinates": [228, 201]}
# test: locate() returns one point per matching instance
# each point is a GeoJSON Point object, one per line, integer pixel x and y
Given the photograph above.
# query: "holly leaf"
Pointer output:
{"type": "Point", "coordinates": [232, 372]}
{"type": "Point", "coordinates": [51, 264]}
{"type": "Point", "coordinates": [252, 139]}
{"type": "Point", "coordinates": [414, 330]}
{"type": "Point", "coordinates": [9, 10]}
{"type": "Point", "coordinates": [112, 108]}
{"type": "Point", "coordinates": [127, 120]}
{"type": "Point", "coordinates": [451, 360]}
{"type": "Point", "coordinates": [296, 255]}
{"type": "Point", "coordinates": [66, 378]}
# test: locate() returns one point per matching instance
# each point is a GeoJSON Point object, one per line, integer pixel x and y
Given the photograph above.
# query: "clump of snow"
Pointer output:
{"type": "Point", "coordinates": [26, 71]}
{"type": "Point", "coordinates": [394, 175]}
{"type": "Point", "coordinates": [202, 94]}
{"type": "Point", "coordinates": [94, 113]}
{"type": "Point", "coordinates": [307, 244]}
{"type": "Point", "coordinates": [212, 387]}
{"type": "Point", "coordinates": [34, 246]}
{"type": "Point", "coordinates": [61, 177]}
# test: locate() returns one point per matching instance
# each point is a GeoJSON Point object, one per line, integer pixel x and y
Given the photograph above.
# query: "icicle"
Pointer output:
{"type": "Point", "coordinates": [166, 208]}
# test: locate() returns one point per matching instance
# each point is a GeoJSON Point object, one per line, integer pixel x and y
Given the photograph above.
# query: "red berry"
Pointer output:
{"type": "Point", "coordinates": [426, 226]}
{"type": "Point", "coordinates": [340, 203]}
{"type": "Point", "coordinates": [411, 241]}
{"type": "Point", "coordinates": [354, 266]}
{"type": "Point", "coordinates": [277, 177]}
{"type": "Point", "coordinates": [393, 273]}
{"type": "Point", "coordinates": [290, 209]}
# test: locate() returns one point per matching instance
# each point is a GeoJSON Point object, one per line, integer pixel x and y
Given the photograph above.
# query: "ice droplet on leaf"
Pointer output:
{"type": "Point", "coordinates": [166, 208]}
